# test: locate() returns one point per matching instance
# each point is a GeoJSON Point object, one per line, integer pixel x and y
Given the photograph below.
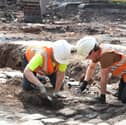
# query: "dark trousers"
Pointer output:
{"type": "Point", "coordinates": [122, 91]}
{"type": "Point", "coordinates": [27, 85]}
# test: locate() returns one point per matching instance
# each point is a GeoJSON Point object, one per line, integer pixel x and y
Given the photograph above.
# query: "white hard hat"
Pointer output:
{"type": "Point", "coordinates": [85, 45]}
{"type": "Point", "coordinates": [62, 51]}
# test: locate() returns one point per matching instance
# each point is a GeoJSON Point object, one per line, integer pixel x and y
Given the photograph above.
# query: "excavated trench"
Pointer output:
{"type": "Point", "coordinates": [11, 56]}
{"type": "Point", "coordinates": [11, 61]}
{"type": "Point", "coordinates": [70, 106]}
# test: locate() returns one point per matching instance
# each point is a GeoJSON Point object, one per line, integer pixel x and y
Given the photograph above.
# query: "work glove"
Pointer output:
{"type": "Point", "coordinates": [83, 85]}
{"type": "Point", "coordinates": [42, 79]}
{"type": "Point", "coordinates": [44, 95]}
{"type": "Point", "coordinates": [43, 91]}
{"type": "Point", "coordinates": [57, 95]}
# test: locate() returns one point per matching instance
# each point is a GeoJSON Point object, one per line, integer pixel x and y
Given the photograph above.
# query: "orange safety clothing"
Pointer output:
{"type": "Point", "coordinates": [47, 54]}
{"type": "Point", "coordinates": [119, 67]}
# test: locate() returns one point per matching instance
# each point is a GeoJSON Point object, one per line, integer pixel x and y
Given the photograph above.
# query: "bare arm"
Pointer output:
{"type": "Point", "coordinates": [59, 79]}
{"type": "Point", "coordinates": [31, 77]}
{"type": "Point", "coordinates": [104, 79]}
{"type": "Point", "coordinates": [90, 70]}
{"type": "Point", "coordinates": [88, 75]}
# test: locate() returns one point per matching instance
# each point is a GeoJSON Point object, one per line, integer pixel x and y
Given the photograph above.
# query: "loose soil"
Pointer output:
{"type": "Point", "coordinates": [88, 21]}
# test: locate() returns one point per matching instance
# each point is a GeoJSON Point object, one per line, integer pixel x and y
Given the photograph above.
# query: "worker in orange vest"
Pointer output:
{"type": "Point", "coordinates": [49, 61]}
{"type": "Point", "coordinates": [112, 59]}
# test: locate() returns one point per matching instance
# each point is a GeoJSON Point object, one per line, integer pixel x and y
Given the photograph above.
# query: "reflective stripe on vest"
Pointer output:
{"type": "Point", "coordinates": [118, 68]}
{"type": "Point", "coordinates": [46, 53]}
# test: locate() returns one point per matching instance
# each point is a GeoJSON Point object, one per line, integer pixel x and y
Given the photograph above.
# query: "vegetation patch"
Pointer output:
{"type": "Point", "coordinates": [119, 1]}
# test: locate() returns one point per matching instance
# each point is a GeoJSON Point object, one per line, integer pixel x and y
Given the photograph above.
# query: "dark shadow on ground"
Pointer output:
{"type": "Point", "coordinates": [32, 101]}
{"type": "Point", "coordinates": [34, 98]}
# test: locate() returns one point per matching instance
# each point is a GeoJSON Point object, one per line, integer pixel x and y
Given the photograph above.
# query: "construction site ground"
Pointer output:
{"type": "Point", "coordinates": [18, 107]}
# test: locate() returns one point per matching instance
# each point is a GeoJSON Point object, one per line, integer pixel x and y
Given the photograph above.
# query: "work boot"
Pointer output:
{"type": "Point", "coordinates": [101, 99]}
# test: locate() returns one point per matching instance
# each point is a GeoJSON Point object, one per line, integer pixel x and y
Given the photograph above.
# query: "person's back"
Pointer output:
{"type": "Point", "coordinates": [50, 61]}
{"type": "Point", "coordinates": [111, 57]}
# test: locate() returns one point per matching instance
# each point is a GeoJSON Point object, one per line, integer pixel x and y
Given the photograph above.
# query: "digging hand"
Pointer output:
{"type": "Point", "coordinates": [56, 95]}
{"type": "Point", "coordinates": [44, 95]}
{"type": "Point", "coordinates": [83, 85]}
{"type": "Point", "coordinates": [43, 91]}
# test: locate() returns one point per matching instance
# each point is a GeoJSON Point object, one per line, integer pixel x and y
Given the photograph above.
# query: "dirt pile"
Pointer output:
{"type": "Point", "coordinates": [11, 56]}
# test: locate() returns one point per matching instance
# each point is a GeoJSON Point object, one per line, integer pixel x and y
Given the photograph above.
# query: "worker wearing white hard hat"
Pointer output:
{"type": "Point", "coordinates": [63, 51]}
{"type": "Point", "coordinates": [47, 61]}
{"type": "Point", "coordinates": [112, 60]}
{"type": "Point", "coordinates": [86, 45]}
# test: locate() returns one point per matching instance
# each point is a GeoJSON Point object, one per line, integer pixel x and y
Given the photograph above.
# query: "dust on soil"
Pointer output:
{"type": "Point", "coordinates": [85, 21]}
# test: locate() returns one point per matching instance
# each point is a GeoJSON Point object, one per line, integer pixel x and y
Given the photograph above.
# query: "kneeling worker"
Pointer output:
{"type": "Point", "coordinates": [49, 61]}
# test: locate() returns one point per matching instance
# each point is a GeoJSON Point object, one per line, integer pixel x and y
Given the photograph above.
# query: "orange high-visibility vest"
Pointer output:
{"type": "Point", "coordinates": [118, 68]}
{"type": "Point", "coordinates": [46, 54]}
